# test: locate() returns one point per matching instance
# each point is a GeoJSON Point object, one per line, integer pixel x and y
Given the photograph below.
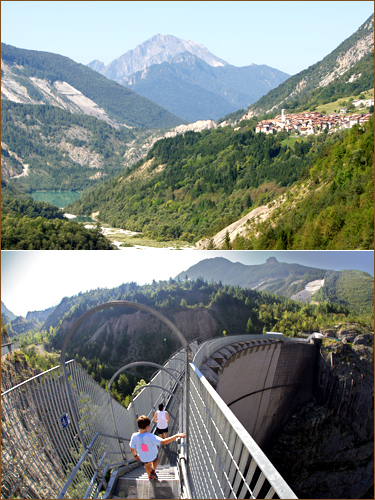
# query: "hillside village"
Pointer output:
{"type": "Point", "coordinates": [310, 123]}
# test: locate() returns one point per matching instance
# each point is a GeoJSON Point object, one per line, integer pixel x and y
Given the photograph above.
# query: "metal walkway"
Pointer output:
{"type": "Point", "coordinates": [135, 483]}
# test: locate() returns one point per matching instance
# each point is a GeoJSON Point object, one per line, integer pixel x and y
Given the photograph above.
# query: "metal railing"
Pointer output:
{"type": "Point", "coordinates": [224, 461]}
{"type": "Point", "coordinates": [8, 348]}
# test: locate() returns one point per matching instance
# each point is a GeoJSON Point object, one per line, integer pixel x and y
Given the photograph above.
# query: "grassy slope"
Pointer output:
{"type": "Point", "coordinates": [312, 76]}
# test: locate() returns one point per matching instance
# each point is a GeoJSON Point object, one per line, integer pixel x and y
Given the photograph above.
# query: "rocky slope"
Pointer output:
{"type": "Point", "coordinates": [15, 369]}
{"type": "Point", "coordinates": [326, 449]}
{"type": "Point", "coordinates": [337, 63]}
{"type": "Point", "coordinates": [35, 77]}
{"type": "Point", "coordinates": [156, 50]}
{"type": "Point", "coordinates": [140, 336]}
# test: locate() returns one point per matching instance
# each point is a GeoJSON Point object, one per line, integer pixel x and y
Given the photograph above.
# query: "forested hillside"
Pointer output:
{"type": "Point", "coordinates": [122, 105]}
{"type": "Point", "coordinates": [39, 233]}
{"type": "Point", "coordinates": [351, 288]}
{"type": "Point", "coordinates": [29, 207]}
{"type": "Point", "coordinates": [332, 77]}
{"type": "Point", "coordinates": [114, 337]}
{"type": "Point", "coordinates": [194, 185]}
{"type": "Point", "coordinates": [337, 209]}
{"type": "Point", "coordinates": [62, 150]}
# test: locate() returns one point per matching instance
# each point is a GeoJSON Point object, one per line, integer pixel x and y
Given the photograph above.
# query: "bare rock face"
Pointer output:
{"type": "Point", "coordinates": [124, 338]}
{"type": "Point", "coordinates": [326, 449]}
{"type": "Point", "coordinates": [15, 369]}
{"type": "Point", "coordinates": [156, 50]}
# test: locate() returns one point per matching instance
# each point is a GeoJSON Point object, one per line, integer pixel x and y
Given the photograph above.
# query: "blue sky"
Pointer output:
{"type": "Point", "coordinates": [36, 280]}
{"type": "Point", "coordinates": [289, 36]}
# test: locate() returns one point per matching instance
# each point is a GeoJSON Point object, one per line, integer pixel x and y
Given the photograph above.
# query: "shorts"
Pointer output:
{"type": "Point", "coordinates": [160, 431]}
{"type": "Point", "coordinates": [151, 460]}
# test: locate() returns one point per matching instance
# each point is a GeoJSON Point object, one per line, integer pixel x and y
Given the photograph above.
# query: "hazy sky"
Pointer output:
{"type": "Point", "coordinates": [36, 280]}
{"type": "Point", "coordinates": [289, 36]}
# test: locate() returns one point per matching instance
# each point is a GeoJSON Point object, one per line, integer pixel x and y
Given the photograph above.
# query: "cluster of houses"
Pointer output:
{"type": "Point", "coordinates": [310, 123]}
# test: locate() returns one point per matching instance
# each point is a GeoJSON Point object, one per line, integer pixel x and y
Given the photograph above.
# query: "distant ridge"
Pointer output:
{"type": "Point", "coordinates": [5, 310]}
{"type": "Point", "coordinates": [290, 280]}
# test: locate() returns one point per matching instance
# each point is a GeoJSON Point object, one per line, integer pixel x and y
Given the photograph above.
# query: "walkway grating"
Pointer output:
{"type": "Point", "coordinates": [135, 484]}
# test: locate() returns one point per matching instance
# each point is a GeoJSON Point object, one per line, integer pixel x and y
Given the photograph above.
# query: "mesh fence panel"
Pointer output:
{"type": "Point", "coordinates": [224, 461]}
{"type": "Point", "coordinates": [38, 454]}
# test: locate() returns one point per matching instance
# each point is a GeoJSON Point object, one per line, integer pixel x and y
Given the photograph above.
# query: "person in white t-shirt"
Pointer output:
{"type": "Point", "coordinates": [144, 446]}
{"type": "Point", "coordinates": [162, 419]}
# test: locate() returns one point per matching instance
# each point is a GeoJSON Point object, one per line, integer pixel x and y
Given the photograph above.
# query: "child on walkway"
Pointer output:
{"type": "Point", "coordinates": [144, 446]}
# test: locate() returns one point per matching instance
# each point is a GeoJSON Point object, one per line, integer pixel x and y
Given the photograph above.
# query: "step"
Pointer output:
{"type": "Point", "coordinates": [135, 484]}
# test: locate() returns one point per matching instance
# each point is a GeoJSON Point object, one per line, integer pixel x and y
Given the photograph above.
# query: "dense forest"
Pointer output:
{"type": "Point", "coordinates": [39, 233]}
{"type": "Point", "coordinates": [120, 103]}
{"type": "Point", "coordinates": [199, 183]}
{"type": "Point", "coordinates": [29, 207]}
{"type": "Point", "coordinates": [338, 210]}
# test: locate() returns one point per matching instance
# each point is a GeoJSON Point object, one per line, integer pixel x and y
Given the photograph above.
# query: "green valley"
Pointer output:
{"type": "Point", "coordinates": [193, 186]}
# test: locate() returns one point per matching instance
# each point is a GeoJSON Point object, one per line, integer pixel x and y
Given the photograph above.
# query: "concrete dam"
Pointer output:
{"type": "Point", "coordinates": [263, 382]}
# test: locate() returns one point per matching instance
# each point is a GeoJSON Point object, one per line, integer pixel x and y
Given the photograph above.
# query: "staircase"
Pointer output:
{"type": "Point", "coordinates": [135, 484]}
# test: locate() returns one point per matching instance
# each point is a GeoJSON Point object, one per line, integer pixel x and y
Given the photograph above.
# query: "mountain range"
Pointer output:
{"type": "Point", "coordinates": [295, 281]}
{"type": "Point", "coordinates": [19, 324]}
{"type": "Point", "coordinates": [156, 50]}
{"type": "Point", "coordinates": [5, 310]}
{"type": "Point", "coordinates": [352, 289]}
{"type": "Point", "coordinates": [187, 80]}
{"type": "Point", "coordinates": [192, 89]}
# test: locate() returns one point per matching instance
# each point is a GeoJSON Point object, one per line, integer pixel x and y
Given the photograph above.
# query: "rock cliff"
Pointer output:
{"type": "Point", "coordinates": [326, 449]}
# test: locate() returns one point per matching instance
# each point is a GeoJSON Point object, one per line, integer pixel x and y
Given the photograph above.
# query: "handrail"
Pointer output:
{"type": "Point", "coordinates": [97, 472]}
{"type": "Point", "coordinates": [130, 365]}
{"type": "Point", "coordinates": [183, 460]}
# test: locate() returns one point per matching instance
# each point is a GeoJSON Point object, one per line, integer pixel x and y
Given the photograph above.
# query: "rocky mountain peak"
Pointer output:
{"type": "Point", "coordinates": [271, 260]}
{"type": "Point", "coordinates": [156, 50]}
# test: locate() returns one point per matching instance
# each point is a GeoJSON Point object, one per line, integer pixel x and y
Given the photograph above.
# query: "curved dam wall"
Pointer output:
{"type": "Point", "coordinates": [263, 382]}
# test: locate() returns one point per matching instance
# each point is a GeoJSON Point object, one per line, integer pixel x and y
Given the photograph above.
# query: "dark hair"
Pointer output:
{"type": "Point", "coordinates": [143, 422]}
{"type": "Point", "coordinates": [161, 406]}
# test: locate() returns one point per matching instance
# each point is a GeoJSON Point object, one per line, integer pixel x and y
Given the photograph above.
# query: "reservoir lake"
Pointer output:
{"type": "Point", "coordinates": [60, 199]}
